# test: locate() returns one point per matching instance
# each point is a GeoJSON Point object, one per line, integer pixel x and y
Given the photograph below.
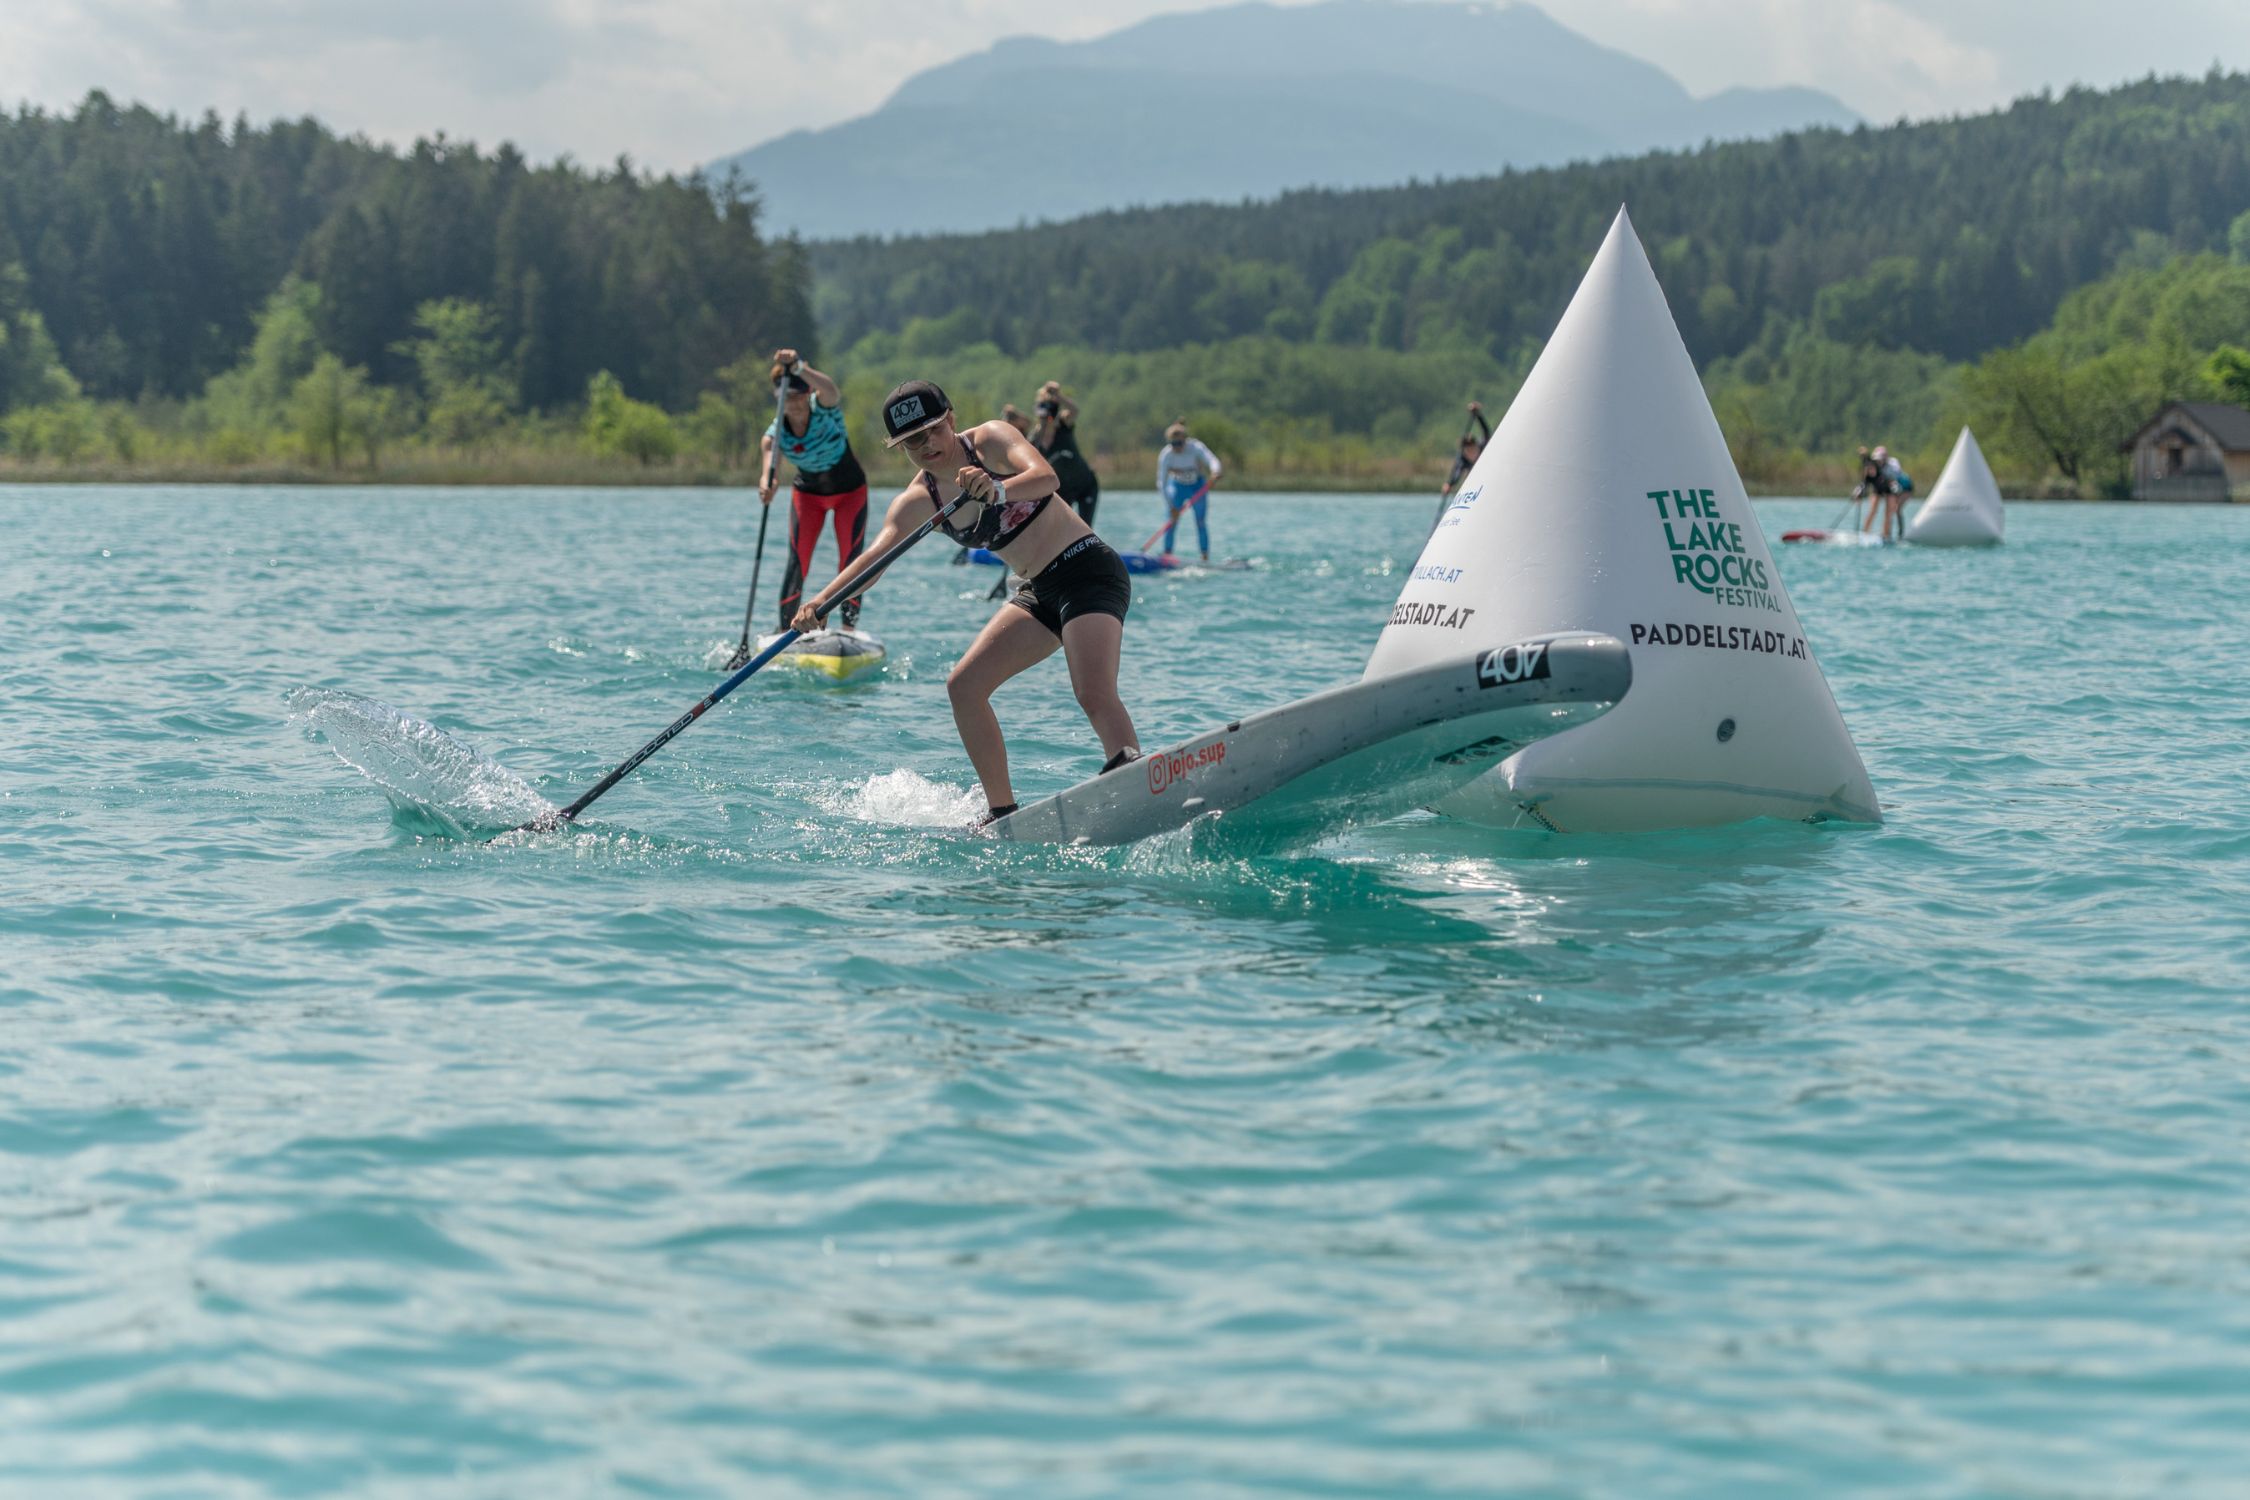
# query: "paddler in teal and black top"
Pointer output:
{"type": "Point", "coordinates": [830, 482]}
{"type": "Point", "coordinates": [1075, 597]}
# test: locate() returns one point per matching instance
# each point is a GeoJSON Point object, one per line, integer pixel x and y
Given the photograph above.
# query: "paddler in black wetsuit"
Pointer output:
{"type": "Point", "coordinates": [1077, 591]}
{"type": "Point", "coordinates": [1056, 437]}
{"type": "Point", "coordinates": [1472, 448]}
{"type": "Point", "coordinates": [1872, 485]}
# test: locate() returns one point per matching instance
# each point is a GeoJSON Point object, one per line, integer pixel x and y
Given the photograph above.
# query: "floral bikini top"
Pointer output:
{"type": "Point", "coordinates": [996, 525]}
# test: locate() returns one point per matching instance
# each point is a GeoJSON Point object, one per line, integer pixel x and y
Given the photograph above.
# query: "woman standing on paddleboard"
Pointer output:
{"type": "Point", "coordinates": [1180, 468]}
{"type": "Point", "coordinates": [1466, 456]}
{"type": "Point", "coordinates": [1075, 597]}
{"type": "Point", "coordinates": [1898, 486]}
{"type": "Point", "coordinates": [1056, 438]}
{"type": "Point", "coordinates": [830, 482]}
{"type": "Point", "coordinates": [1870, 485]}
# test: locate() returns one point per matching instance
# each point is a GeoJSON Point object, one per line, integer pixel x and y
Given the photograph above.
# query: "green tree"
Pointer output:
{"type": "Point", "coordinates": [728, 418]}
{"type": "Point", "coordinates": [456, 353]}
{"type": "Point", "coordinates": [64, 431]}
{"type": "Point", "coordinates": [31, 372]}
{"type": "Point", "coordinates": [253, 397]}
{"type": "Point", "coordinates": [2037, 405]}
{"type": "Point", "coordinates": [333, 407]}
{"type": "Point", "coordinates": [617, 424]}
{"type": "Point", "coordinates": [2228, 370]}
{"type": "Point", "coordinates": [1816, 395]}
{"type": "Point", "coordinates": [378, 421]}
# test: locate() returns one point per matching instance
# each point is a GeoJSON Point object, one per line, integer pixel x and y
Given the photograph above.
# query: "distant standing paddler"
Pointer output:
{"type": "Point", "coordinates": [1898, 488]}
{"type": "Point", "coordinates": [1076, 597]}
{"type": "Point", "coordinates": [1474, 436]}
{"type": "Point", "coordinates": [1870, 486]}
{"type": "Point", "coordinates": [830, 482]}
{"type": "Point", "coordinates": [1056, 436]}
{"type": "Point", "coordinates": [1882, 479]}
{"type": "Point", "coordinates": [1181, 466]}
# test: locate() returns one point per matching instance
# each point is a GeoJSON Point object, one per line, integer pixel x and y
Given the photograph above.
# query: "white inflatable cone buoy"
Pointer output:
{"type": "Point", "coordinates": [1964, 509]}
{"type": "Point", "coordinates": [1607, 501]}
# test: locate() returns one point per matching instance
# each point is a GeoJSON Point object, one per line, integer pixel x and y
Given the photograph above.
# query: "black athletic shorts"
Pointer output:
{"type": "Point", "coordinates": [1087, 578]}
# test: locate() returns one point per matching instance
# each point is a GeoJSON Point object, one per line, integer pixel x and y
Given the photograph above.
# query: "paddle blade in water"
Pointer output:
{"type": "Point", "coordinates": [432, 779]}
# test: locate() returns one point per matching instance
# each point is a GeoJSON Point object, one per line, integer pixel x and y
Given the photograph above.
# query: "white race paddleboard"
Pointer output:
{"type": "Point", "coordinates": [1356, 754]}
{"type": "Point", "coordinates": [839, 653]}
{"type": "Point", "coordinates": [1820, 536]}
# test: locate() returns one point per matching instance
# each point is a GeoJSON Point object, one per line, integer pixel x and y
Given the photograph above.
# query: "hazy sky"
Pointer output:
{"type": "Point", "coordinates": [676, 82]}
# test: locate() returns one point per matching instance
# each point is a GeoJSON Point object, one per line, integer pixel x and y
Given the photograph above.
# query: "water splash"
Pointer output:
{"type": "Point", "coordinates": [434, 782]}
{"type": "Point", "coordinates": [904, 799]}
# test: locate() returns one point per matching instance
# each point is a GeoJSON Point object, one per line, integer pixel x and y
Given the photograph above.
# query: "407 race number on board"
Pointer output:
{"type": "Point", "coordinates": [1506, 664]}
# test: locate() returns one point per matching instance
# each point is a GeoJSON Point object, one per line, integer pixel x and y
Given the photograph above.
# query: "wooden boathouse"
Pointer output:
{"type": "Point", "coordinates": [2193, 450]}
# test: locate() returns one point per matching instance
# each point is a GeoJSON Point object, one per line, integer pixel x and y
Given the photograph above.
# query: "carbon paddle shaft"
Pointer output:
{"type": "Point", "coordinates": [765, 514]}
{"type": "Point", "coordinates": [875, 570]}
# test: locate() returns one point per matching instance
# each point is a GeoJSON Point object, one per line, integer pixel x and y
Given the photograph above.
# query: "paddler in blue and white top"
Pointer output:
{"type": "Point", "coordinates": [1181, 466]}
{"type": "Point", "coordinates": [830, 482]}
{"type": "Point", "coordinates": [1075, 596]}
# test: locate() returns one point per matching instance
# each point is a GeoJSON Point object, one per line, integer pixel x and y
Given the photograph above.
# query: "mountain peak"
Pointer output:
{"type": "Point", "coordinates": [1247, 100]}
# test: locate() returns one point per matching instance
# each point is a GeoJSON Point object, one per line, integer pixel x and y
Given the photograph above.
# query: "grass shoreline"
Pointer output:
{"type": "Point", "coordinates": [586, 472]}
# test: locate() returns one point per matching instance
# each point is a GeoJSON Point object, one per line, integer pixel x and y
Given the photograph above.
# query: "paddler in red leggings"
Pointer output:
{"type": "Point", "coordinates": [830, 482]}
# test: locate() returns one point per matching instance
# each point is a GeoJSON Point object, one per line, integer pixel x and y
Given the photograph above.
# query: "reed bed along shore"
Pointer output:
{"type": "Point", "coordinates": [1120, 473]}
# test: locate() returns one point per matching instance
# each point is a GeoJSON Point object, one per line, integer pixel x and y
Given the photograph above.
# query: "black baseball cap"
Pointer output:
{"type": "Point", "coordinates": [910, 408]}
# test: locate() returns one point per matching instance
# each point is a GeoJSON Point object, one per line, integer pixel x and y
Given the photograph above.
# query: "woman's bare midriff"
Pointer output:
{"type": "Point", "coordinates": [1043, 540]}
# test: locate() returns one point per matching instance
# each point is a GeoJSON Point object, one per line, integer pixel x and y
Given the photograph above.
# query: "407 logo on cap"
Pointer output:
{"type": "Point", "coordinates": [1509, 664]}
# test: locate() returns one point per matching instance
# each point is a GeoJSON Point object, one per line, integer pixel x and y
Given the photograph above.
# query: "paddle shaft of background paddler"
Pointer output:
{"type": "Point", "coordinates": [1178, 511]}
{"type": "Point", "coordinates": [768, 487]}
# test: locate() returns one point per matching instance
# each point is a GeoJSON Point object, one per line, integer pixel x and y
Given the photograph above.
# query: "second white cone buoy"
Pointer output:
{"type": "Point", "coordinates": [1964, 507]}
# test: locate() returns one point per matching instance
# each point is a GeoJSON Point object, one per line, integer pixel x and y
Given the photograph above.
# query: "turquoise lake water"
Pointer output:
{"type": "Point", "coordinates": [766, 1137]}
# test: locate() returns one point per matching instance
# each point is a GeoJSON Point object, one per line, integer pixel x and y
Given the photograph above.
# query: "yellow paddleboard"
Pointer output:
{"type": "Point", "coordinates": [838, 653]}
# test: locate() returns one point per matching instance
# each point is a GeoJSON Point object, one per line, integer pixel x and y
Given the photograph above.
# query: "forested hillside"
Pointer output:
{"type": "Point", "coordinates": [1950, 238]}
{"type": "Point", "coordinates": [1834, 286]}
{"type": "Point", "coordinates": [148, 248]}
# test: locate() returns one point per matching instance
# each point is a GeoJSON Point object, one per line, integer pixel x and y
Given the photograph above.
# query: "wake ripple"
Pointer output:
{"type": "Point", "coordinates": [431, 778]}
